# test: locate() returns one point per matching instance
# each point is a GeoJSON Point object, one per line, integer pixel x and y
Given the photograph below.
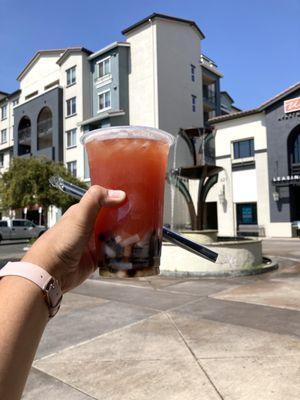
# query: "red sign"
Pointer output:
{"type": "Point", "coordinates": [292, 105]}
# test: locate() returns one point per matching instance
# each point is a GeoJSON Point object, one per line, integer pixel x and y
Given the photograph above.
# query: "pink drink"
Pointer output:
{"type": "Point", "coordinates": [133, 159]}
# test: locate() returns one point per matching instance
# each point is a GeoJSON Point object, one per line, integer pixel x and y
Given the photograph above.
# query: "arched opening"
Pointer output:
{"type": "Point", "coordinates": [24, 136]}
{"type": "Point", "coordinates": [44, 129]}
{"type": "Point", "coordinates": [294, 169]}
{"type": "Point", "coordinates": [294, 151]}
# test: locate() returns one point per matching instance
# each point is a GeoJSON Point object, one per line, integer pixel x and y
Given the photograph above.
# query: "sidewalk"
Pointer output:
{"type": "Point", "coordinates": [167, 339]}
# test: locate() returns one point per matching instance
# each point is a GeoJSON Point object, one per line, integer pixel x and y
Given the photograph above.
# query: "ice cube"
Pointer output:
{"type": "Point", "coordinates": [132, 239]}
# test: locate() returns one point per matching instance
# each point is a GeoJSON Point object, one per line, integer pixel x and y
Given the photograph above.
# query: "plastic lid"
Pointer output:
{"type": "Point", "coordinates": [128, 132]}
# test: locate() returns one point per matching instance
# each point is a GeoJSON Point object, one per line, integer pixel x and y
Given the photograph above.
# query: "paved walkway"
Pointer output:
{"type": "Point", "coordinates": [167, 339]}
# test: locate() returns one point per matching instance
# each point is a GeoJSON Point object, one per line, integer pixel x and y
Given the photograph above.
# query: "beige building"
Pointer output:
{"type": "Point", "coordinates": [158, 77]}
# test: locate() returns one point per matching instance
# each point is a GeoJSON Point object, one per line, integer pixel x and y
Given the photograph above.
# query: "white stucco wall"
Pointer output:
{"type": "Point", "coordinates": [178, 46]}
{"type": "Point", "coordinates": [248, 185]}
{"type": "Point", "coordinates": [142, 77]}
{"type": "Point", "coordinates": [244, 186]}
{"type": "Point", "coordinates": [44, 71]}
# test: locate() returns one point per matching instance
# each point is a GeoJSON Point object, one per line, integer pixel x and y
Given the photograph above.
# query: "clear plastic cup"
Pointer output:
{"type": "Point", "coordinates": [134, 159]}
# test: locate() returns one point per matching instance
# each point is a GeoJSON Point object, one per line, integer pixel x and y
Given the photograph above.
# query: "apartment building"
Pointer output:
{"type": "Point", "coordinates": [259, 151]}
{"type": "Point", "coordinates": [8, 103]}
{"type": "Point", "coordinates": [156, 77]}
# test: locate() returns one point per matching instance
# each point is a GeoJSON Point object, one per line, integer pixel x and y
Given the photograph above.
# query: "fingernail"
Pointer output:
{"type": "Point", "coordinates": [116, 194]}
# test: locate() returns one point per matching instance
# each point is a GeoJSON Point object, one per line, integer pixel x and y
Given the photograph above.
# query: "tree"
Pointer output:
{"type": "Point", "coordinates": [26, 183]}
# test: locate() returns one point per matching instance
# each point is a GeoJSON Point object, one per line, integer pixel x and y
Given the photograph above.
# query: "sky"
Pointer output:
{"type": "Point", "coordinates": [256, 44]}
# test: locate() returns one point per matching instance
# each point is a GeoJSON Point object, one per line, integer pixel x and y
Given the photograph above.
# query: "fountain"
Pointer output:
{"type": "Point", "coordinates": [237, 255]}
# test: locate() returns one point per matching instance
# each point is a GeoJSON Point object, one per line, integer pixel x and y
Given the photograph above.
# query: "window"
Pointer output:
{"type": "Point", "coordinates": [72, 167]}
{"type": "Point", "coordinates": [24, 136]}
{"type": "Point", "coordinates": [29, 96]}
{"type": "Point", "coordinates": [104, 100]}
{"type": "Point", "coordinates": [52, 84]}
{"type": "Point", "coordinates": [243, 148]}
{"type": "Point", "coordinates": [104, 67]}
{"type": "Point", "coordinates": [71, 106]}
{"type": "Point", "coordinates": [71, 76]}
{"type": "Point", "coordinates": [15, 102]}
{"type": "Point", "coordinates": [3, 136]}
{"type": "Point", "coordinates": [1, 160]}
{"type": "Point", "coordinates": [71, 138]}
{"type": "Point", "coordinates": [44, 129]}
{"type": "Point", "coordinates": [246, 214]}
{"type": "Point", "coordinates": [3, 224]}
{"type": "Point", "coordinates": [193, 69]}
{"type": "Point", "coordinates": [194, 98]}
{"type": "Point", "coordinates": [29, 224]}
{"type": "Point", "coordinates": [17, 222]}
{"type": "Point", "coordinates": [4, 112]}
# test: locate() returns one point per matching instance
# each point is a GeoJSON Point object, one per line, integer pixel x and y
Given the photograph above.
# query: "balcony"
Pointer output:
{"type": "Point", "coordinates": [44, 127]}
{"type": "Point", "coordinates": [24, 136]}
{"type": "Point", "coordinates": [44, 133]}
{"type": "Point", "coordinates": [209, 95]}
{"type": "Point", "coordinates": [210, 66]}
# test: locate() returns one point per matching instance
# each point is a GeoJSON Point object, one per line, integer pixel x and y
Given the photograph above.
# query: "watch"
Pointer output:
{"type": "Point", "coordinates": [49, 285]}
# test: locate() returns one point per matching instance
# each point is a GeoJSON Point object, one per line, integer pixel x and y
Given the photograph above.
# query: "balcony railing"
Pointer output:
{"type": "Point", "coordinates": [206, 60]}
{"type": "Point", "coordinates": [209, 95]}
{"type": "Point", "coordinates": [24, 135]}
{"type": "Point", "coordinates": [44, 127]}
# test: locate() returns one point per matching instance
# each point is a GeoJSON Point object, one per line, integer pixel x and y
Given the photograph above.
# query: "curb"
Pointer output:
{"type": "Point", "coordinates": [267, 266]}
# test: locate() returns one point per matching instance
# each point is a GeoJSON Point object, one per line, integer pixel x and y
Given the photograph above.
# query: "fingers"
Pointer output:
{"type": "Point", "coordinates": [96, 197]}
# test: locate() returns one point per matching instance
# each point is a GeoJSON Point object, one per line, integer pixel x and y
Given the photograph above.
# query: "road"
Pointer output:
{"type": "Point", "coordinates": [282, 248]}
{"type": "Point", "coordinates": [287, 248]}
{"type": "Point", "coordinates": [12, 249]}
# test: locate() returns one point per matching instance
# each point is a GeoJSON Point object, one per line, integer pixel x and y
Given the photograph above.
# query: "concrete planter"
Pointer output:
{"type": "Point", "coordinates": [204, 236]}
{"type": "Point", "coordinates": [241, 257]}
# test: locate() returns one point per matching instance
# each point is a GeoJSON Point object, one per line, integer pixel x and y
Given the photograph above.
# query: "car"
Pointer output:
{"type": "Point", "coordinates": [11, 229]}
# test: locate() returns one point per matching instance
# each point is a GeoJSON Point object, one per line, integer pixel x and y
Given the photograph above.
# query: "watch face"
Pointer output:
{"type": "Point", "coordinates": [53, 297]}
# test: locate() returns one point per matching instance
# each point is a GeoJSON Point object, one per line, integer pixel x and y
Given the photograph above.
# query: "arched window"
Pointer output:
{"type": "Point", "coordinates": [296, 154]}
{"type": "Point", "coordinates": [44, 129]}
{"type": "Point", "coordinates": [294, 150]}
{"type": "Point", "coordinates": [24, 136]}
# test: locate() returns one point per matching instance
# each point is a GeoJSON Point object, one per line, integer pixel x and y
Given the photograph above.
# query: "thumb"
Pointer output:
{"type": "Point", "coordinates": [96, 197]}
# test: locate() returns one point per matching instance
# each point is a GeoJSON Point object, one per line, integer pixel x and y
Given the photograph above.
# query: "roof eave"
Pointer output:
{"type": "Point", "coordinates": [71, 50]}
{"type": "Point", "coordinates": [241, 114]}
{"type": "Point", "coordinates": [163, 16]}
{"type": "Point", "coordinates": [108, 48]}
{"type": "Point", "coordinates": [258, 109]}
{"type": "Point", "coordinates": [36, 57]}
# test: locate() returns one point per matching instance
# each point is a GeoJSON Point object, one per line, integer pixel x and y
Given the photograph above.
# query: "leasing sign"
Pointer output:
{"type": "Point", "coordinates": [292, 105]}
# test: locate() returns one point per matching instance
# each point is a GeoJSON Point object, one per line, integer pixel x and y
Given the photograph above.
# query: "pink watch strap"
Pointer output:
{"type": "Point", "coordinates": [40, 277]}
{"type": "Point", "coordinates": [29, 271]}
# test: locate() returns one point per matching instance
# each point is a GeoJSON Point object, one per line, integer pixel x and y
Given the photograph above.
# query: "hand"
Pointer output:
{"type": "Point", "coordinates": [67, 251]}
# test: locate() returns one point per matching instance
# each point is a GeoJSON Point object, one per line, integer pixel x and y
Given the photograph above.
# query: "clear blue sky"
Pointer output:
{"type": "Point", "coordinates": [256, 43]}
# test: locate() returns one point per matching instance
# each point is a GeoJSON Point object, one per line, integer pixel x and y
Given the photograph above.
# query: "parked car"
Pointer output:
{"type": "Point", "coordinates": [20, 229]}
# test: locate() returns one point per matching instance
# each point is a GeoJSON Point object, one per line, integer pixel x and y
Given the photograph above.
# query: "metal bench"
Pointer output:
{"type": "Point", "coordinates": [251, 230]}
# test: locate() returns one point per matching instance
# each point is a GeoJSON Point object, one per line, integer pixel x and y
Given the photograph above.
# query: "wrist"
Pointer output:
{"type": "Point", "coordinates": [45, 262]}
{"type": "Point", "coordinates": [45, 283]}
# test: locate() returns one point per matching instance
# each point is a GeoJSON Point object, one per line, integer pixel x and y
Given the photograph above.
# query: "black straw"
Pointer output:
{"type": "Point", "coordinates": [169, 235]}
